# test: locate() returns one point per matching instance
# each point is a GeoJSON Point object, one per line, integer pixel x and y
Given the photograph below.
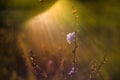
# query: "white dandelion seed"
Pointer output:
{"type": "Point", "coordinates": [70, 37]}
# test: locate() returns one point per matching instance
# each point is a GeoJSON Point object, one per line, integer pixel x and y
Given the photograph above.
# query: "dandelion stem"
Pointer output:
{"type": "Point", "coordinates": [74, 56]}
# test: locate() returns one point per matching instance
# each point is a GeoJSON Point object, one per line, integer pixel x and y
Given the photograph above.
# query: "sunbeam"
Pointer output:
{"type": "Point", "coordinates": [45, 34]}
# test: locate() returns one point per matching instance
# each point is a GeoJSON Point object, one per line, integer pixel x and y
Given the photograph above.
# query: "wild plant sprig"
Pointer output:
{"type": "Point", "coordinates": [96, 68]}
{"type": "Point", "coordinates": [72, 37]}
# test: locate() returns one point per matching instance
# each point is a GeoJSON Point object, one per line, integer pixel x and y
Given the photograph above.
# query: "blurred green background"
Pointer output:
{"type": "Point", "coordinates": [98, 23]}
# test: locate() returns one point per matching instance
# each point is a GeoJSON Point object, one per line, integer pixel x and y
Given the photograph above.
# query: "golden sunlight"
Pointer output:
{"type": "Point", "coordinates": [45, 34]}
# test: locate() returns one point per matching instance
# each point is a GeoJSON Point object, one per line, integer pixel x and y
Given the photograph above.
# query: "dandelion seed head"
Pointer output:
{"type": "Point", "coordinates": [70, 37]}
{"type": "Point", "coordinates": [72, 71]}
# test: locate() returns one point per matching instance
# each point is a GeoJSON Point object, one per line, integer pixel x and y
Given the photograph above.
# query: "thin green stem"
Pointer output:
{"type": "Point", "coordinates": [74, 56]}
